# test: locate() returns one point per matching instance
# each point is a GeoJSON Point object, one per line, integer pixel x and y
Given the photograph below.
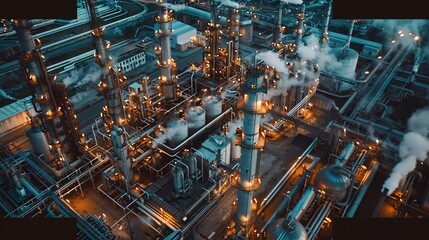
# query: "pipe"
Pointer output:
{"type": "Point", "coordinates": [292, 192]}
{"type": "Point", "coordinates": [182, 145]}
{"type": "Point", "coordinates": [314, 227]}
{"type": "Point", "coordinates": [367, 181]}
{"type": "Point", "coordinates": [206, 193]}
{"type": "Point", "coordinates": [285, 177]}
{"type": "Point", "coordinates": [380, 202]}
{"type": "Point", "coordinates": [202, 158]}
{"type": "Point", "coordinates": [302, 204]}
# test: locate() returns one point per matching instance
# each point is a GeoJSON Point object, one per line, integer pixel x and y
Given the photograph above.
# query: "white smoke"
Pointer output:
{"type": "Point", "coordinates": [229, 3]}
{"type": "Point", "coordinates": [414, 146]}
{"type": "Point", "coordinates": [175, 7]}
{"type": "Point", "coordinates": [82, 97]}
{"type": "Point", "coordinates": [87, 74]}
{"type": "Point", "coordinates": [233, 125]}
{"type": "Point", "coordinates": [292, 1]}
{"type": "Point", "coordinates": [162, 137]}
{"type": "Point", "coordinates": [418, 122]}
{"type": "Point", "coordinates": [5, 95]}
{"type": "Point", "coordinates": [272, 59]}
{"type": "Point", "coordinates": [403, 30]}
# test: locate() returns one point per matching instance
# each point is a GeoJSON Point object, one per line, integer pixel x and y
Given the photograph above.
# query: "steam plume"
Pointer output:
{"type": "Point", "coordinates": [414, 146]}
{"type": "Point", "coordinates": [89, 73]}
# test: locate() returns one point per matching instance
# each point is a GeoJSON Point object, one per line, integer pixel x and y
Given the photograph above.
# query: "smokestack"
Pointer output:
{"type": "Point", "coordinates": [252, 141]}
{"type": "Point", "coordinates": [112, 82]}
{"type": "Point", "coordinates": [167, 80]}
{"type": "Point", "coordinates": [324, 40]}
{"type": "Point", "coordinates": [49, 98]}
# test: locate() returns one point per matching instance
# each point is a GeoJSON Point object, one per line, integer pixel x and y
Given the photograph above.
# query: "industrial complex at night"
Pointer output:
{"type": "Point", "coordinates": [213, 119]}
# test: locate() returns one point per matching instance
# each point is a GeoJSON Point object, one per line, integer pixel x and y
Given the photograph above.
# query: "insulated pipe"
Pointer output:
{"type": "Point", "coordinates": [285, 177]}
{"type": "Point", "coordinates": [302, 204]}
{"type": "Point", "coordinates": [318, 220]}
{"type": "Point", "coordinates": [367, 181]}
{"type": "Point", "coordinates": [292, 192]}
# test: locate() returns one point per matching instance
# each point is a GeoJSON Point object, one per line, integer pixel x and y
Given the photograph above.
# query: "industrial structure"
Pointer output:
{"type": "Point", "coordinates": [271, 128]}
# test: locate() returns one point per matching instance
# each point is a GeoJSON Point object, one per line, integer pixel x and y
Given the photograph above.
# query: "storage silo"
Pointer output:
{"type": "Point", "coordinates": [213, 106]}
{"type": "Point", "coordinates": [196, 118]}
{"type": "Point", "coordinates": [348, 59]}
{"type": "Point", "coordinates": [177, 131]}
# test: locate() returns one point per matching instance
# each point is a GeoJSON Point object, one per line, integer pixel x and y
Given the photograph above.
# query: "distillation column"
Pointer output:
{"type": "Point", "coordinates": [234, 37]}
{"type": "Point", "coordinates": [324, 38]}
{"type": "Point", "coordinates": [252, 142]}
{"type": "Point", "coordinates": [213, 42]}
{"type": "Point", "coordinates": [167, 80]}
{"type": "Point", "coordinates": [279, 30]}
{"type": "Point", "coordinates": [111, 85]}
{"type": "Point", "coordinates": [55, 117]}
{"type": "Point", "coordinates": [295, 93]}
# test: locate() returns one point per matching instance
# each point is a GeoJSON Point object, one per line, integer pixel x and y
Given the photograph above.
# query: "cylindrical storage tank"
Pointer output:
{"type": "Point", "coordinates": [347, 67]}
{"type": "Point", "coordinates": [278, 231]}
{"type": "Point", "coordinates": [330, 180]}
{"type": "Point", "coordinates": [39, 143]}
{"type": "Point", "coordinates": [196, 118]}
{"type": "Point", "coordinates": [246, 31]}
{"type": "Point", "coordinates": [177, 131]}
{"type": "Point", "coordinates": [213, 106]}
{"type": "Point", "coordinates": [191, 162]}
{"type": "Point", "coordinates": [178, 180]}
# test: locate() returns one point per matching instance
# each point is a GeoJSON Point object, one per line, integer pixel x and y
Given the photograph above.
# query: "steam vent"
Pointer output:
{"type": "Point", "coordinates": [215, 119]}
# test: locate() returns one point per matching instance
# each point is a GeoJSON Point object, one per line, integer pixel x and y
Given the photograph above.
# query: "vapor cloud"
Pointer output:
{"type": "Point", "coordinates": [413, 148]}
{"type": "Point", "coordinates": [90, 73]}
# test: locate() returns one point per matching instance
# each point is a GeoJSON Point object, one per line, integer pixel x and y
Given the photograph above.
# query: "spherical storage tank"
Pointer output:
{"type": "Point", "coordinates": [348, 65]}
{"type": "Point", "coordinates": [278, 230]}
{"type": "Point", "coordinates": [331, 180]}
{"type": "Point", "coordinates": [213, 106]}
{"type": "Point", "coordinates": [196, 118]}
{"type": "Point", "coordinates": [39, 143]}
{"type": "Point", "coordinates": [177, 131]}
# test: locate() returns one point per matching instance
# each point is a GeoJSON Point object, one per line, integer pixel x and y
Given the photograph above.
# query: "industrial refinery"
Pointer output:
{"type": "Point", "coordinates": [213, 119]}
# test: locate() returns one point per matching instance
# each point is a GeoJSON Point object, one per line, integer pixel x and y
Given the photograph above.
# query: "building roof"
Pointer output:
{"type": "Point", "coordinates": [15, 108]}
